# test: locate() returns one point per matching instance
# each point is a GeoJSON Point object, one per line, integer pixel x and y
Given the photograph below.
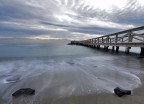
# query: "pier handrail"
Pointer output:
{"type": "Point", "coordinates": [126, 36]}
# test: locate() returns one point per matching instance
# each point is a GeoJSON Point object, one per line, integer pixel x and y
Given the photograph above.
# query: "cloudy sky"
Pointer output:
{"type": "Point", "coordinates": [68, 19]}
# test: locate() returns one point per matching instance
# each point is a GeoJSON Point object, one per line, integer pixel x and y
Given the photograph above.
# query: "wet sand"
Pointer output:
{"type": "Point", "coordinates": [76, 82]}
{"type": "Point", "coordinates": [61, 93]}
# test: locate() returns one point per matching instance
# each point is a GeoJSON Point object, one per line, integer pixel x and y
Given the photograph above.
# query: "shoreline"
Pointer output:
{"type": "Point", "coordinates": [69, 80]}
{"type": "Point", "coordinates": [47, 96]}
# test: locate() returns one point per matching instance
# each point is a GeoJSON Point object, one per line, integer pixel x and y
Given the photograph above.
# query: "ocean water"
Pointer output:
{"type": "Point", "coordinates": [61, 70]}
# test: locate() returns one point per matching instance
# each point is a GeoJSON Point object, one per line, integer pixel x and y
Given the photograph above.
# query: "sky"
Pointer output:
{"type": "Point", "coordinates": [68, 19]}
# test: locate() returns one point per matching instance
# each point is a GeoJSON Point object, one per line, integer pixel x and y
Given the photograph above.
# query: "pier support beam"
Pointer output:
{"type": "Point", "coordinates": [142, 51]}
{"type": "Point", "coordinates": [127, 50]}
{"type": "Point", "coordinates": [117, 48]}
{"type": "Point", "coordinates": [113, 48]}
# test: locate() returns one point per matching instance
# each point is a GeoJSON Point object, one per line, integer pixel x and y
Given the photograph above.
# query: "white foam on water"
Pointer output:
{"type": "Point", "coordinates": [68, 77]}
{"type": "Point", "coordinates": [11, 79]}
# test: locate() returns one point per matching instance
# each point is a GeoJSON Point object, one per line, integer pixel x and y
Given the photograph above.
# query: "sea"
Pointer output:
{"type": "Point", "coordinates": [61, 70]}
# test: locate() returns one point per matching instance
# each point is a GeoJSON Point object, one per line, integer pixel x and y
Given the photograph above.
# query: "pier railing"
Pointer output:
{"type": "Point", "coordinates": [128, 38]}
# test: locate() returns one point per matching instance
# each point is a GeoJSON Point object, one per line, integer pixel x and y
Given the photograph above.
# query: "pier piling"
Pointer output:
{"type": "Point", "coordinates": [113, 48]}
{"type": "Point", "coordinates": [117, 48]}
{"type": "Point", "coordinates": [127, 50]}
{"type": "Point", "coordinates": [142, 51]}
{"type": "Point", "coordinates": [106, 48]}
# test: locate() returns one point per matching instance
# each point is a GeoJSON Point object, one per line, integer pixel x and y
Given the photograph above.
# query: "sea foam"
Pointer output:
{"type": "Point", "coordinates": [70, 76]}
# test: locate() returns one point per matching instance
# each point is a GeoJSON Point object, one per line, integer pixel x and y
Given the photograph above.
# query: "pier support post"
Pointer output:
{"type": "Point", "coordinates": [142, 51]}
{"type": "Point", "coordinates": [106, 48]}
{"type": "Point", "coordinates": [98, 46]}
{"type": "Point", "coordinates": [113, 48]}
{"type": "Point", "coordinates": [127, 50]}
{"type": "Point", "coordinates": [117, 48]}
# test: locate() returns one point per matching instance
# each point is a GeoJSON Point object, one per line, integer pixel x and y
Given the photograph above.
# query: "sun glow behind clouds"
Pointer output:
{"type": "Point", "coordinates": [42, 37]}
{"type": "Point", "coordinates": [141, 2]}
{"type": "Point", "coordinates": [74, 36]}
{"type": "Point", "coordinates": [63, 18]}
{"type": "Point", "coordinates": [107, 4]}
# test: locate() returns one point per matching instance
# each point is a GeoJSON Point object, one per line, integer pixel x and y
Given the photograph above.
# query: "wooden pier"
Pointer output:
{"type": "Point", "coordinates": [128, 38]}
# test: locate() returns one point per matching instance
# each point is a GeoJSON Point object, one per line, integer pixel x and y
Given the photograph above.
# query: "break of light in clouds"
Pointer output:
{"type": "Point", "coordinates": [68, 19]}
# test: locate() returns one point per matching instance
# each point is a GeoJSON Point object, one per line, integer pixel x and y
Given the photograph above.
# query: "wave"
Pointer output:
{"type": "Point", "coordinates": [61, 78]}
